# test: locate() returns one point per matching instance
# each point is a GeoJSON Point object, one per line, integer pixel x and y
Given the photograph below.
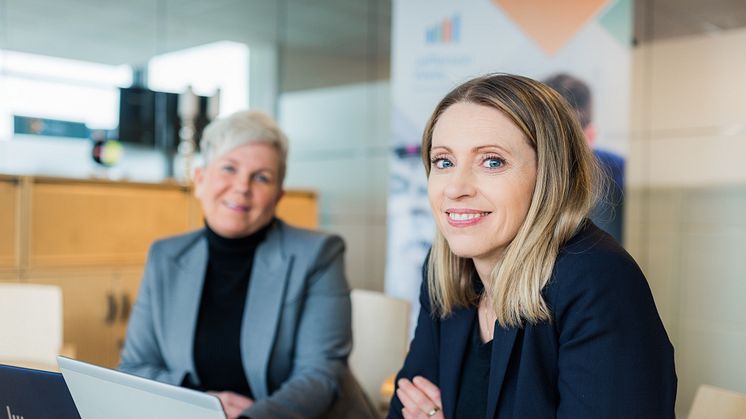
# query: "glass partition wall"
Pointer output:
{"type": "Point", "coordinates": [334, 104]}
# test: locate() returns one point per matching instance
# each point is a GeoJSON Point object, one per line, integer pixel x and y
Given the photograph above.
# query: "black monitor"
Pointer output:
{"type": "Point", "coordinates": [137, 116]}
{"type": "Point", "coordinates": [143, 113]}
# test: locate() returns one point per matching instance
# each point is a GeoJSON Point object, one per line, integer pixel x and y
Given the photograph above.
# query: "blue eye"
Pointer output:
{"type": "Point", "coordinates": [262, 178]}
{"type": "Point", "coordinates": [228, 169]}
{"type": "Point", "coordinates": [442, 163]}
{"type": "Point", "coordinates": [493, 163]}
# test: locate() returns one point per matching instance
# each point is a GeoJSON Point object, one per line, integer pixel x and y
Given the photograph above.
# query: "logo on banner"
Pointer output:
{"type": "Point", "coordinates": [446, 32]}
{"type": "Point", "coordinates": [443, 54]}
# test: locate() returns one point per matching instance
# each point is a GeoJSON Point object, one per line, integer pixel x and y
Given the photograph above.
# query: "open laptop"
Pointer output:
{"type": "Point", "coordinates": [103, 393]}
{"type": "Point", "coordinates": [34, 394]}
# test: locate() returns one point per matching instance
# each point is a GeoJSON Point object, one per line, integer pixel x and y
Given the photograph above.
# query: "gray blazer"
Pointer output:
{"type": "Point", "coordinates": [295, 334]}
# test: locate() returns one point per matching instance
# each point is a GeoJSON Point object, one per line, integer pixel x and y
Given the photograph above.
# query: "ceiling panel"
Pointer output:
{"type": "Point", "coordinates": [116, 32]}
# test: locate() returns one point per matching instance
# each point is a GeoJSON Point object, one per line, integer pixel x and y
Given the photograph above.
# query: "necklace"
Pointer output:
{"type": "Point", "coordinates": [487, 317]}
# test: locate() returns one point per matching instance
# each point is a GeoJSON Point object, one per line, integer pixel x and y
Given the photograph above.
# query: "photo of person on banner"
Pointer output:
{"type": "Point", "coordinates": [528, 309]}
{"type": "Point", "coordinates": [608, 214]}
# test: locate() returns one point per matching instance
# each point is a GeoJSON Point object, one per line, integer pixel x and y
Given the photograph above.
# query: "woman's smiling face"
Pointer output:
{"type": "Point", "coordinates": [239, 190]}
{"type": "Point", "coordinates": [482, 178]}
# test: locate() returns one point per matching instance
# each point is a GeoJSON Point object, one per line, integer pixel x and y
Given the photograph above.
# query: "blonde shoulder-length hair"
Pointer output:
{"type": "Point", "coordinates": [564, 193]}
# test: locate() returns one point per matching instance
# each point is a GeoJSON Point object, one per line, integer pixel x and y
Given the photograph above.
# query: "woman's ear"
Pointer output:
{"type": "Point", "coordinates": [279, 196]}
{"type": "Point", "coordinates": [199, 177]}
{"type": "Point", "coordinates": [590, 134]}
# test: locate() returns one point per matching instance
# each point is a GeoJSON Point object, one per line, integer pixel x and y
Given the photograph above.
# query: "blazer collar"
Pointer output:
{"type": "Point", "coordinates": [452, 348]}
{"type": "Point", "coordinates": [502, 347]}
{"type": "Point", "coordinates": [191, 267]}
{"type": "Point", "coordinates": [266, 293]}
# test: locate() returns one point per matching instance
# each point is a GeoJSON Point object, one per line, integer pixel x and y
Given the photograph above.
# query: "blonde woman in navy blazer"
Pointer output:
{"type": "Point", "coordinates": [528, 310]}
{"type": "Point", "coordinates": [249, 308]}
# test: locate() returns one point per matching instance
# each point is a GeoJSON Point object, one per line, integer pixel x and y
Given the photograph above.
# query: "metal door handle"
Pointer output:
{"type": "Point", "coordinates": [111, 309]}
{"type": "Point", "coordinates": [126, 307]}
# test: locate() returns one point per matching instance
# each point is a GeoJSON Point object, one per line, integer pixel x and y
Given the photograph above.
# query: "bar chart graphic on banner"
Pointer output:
{"type": "Point", "coordinates": [448, 31]}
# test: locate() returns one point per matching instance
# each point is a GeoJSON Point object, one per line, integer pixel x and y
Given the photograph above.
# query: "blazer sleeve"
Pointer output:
{"type": "Point", "coordinates": [323, 342]}
{"type": "Point", "coordinates": [142, 354]}
{"type": "Point", "coordinates": [614, 359]}
{"type": "Point", "coordinates": [422, 358]}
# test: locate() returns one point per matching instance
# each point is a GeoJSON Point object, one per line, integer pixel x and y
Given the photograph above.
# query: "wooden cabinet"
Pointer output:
{"type": "Point", "coordinates": [85, 313]}
{"type": "Point", "coordinates": [84, 224]}
{"type": "Point", "coordinates": [91, 239]}
{"type": "Point", "coordinates": [96, 308]}
{"type": "Point", "coordinates": [126, 286]}
{"type": "Point", "coordinates": [9, 201]}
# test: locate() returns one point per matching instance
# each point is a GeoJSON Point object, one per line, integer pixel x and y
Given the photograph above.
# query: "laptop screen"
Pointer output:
{"type": "Point", "coordinates": [103, 393]}
{"type": "Point", "coordinates": [34, 394]}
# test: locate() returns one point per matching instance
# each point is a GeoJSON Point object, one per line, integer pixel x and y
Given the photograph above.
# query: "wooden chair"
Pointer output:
{"type": "Point", "coordinates": [717, 403]}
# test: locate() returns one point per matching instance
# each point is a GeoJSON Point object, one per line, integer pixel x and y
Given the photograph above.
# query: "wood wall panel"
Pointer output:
{"type": "Point", "coordinates": [8, 224]}
{"type": "Point", "coordinates": [80, 224]}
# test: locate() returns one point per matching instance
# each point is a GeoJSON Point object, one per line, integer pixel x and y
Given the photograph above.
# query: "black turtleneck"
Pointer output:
{"type": "Point", "coordinates": [217, 338]}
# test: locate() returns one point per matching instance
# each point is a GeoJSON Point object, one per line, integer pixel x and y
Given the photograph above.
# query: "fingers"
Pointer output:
{"type": "Point", "coordinates": [411, 408]}
{"type": "Point", "coordinates": [431, 390]}
{"type": "Point", "coordinates": [238, 401]}
{"type": "Point", "coordinates": [232, 413]}
{"type": "Point", "coordinates": [233, 404]}
{"type": "Point", "coordinates": [408, 415]}
{"type": "Point", "coordinates": [419, 397]}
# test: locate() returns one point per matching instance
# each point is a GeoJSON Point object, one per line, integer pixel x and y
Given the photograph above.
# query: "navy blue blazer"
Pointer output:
{"type": "Point", "coordinates": [605, 354]}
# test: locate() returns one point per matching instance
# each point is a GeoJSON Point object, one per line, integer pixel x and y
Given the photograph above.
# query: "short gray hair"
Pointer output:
{"type": "Point", "coordinates": [243, 127]}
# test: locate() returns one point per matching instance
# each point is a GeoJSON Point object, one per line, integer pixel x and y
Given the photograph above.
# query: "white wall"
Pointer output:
{"type": "Point", "coordinates": [686, 201]}
{"type": "Point", "coordinates": [263, 70]}
{"type": "Point", "coordinates": [339, 146]}
{"type": "Point", "coordinates": [689, 116]}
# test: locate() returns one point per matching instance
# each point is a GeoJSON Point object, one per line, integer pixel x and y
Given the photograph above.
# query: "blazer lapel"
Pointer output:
{"type": "Point", "coordinates": [454, 337]}
{"type": "Point", "coordinates": [264, 303]}
{"type": "Point", "coordinates": [502, 347]}
{"type": "Point", "coordinates": [189, 268]}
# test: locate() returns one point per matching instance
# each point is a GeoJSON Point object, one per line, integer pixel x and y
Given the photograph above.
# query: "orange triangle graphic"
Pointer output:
{"type": "Point", "coordinates": [550, 23]}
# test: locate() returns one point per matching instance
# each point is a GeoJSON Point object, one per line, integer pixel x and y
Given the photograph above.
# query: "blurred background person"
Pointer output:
{"type": "Point", "coordinates": [608, 213]}
{"type": "Point", "coordinates": [528, 310]}
{"type": "Point", "coordinates": [249, 308]}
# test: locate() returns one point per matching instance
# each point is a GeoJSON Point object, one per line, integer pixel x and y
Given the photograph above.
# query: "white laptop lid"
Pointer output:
{"type": "Point", "coordinates": [103, 393]}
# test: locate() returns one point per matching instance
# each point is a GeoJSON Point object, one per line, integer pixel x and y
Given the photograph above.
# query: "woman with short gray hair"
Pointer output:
{"type": "Point", "coordinates": [244, 127]}
{"type": "Point", "coordinates": [248, 308]}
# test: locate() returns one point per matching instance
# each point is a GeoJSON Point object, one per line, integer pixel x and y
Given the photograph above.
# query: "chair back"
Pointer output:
{"type": "Point", "coordinates": [380, 330]}
{"type": "Point", "coordinates": [712, 402]}
{"type": "Point", "coordinates": [30, 324]}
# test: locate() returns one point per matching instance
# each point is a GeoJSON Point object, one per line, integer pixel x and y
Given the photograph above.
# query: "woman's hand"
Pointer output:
{"type": "Point", "coordinates": [233, 403]}
{"type": "Point", "coordinates": [421, 399]}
